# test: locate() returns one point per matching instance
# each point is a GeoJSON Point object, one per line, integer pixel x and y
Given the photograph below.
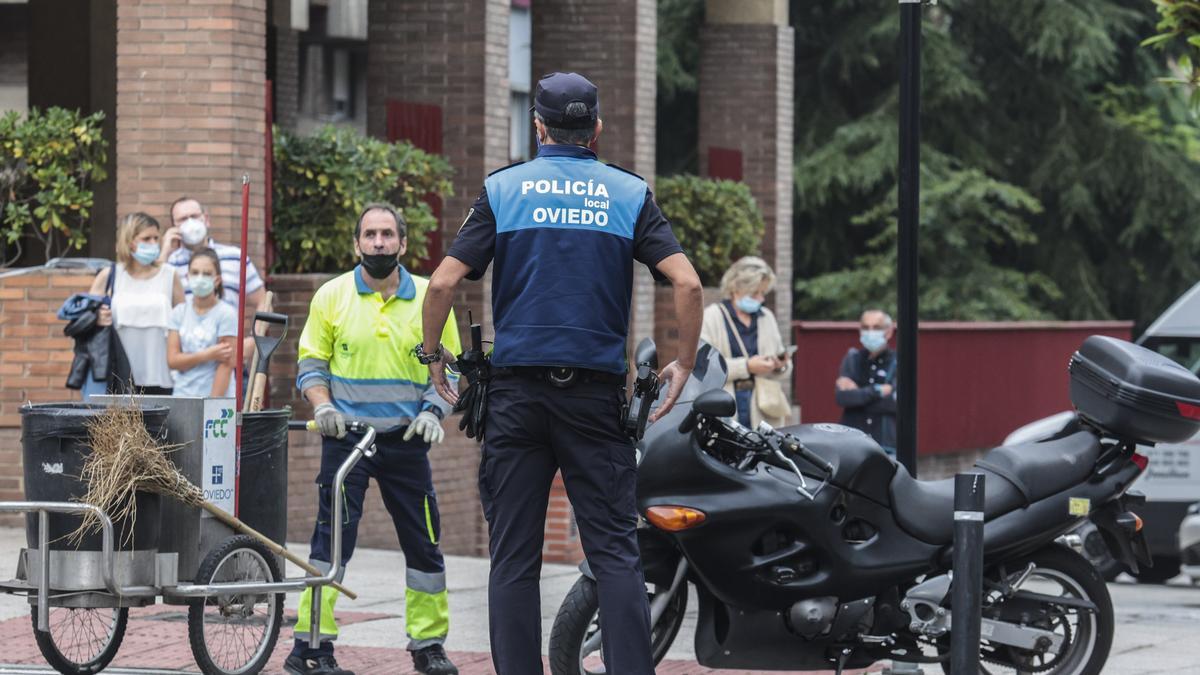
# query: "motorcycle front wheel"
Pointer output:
{"type": "Point", "coordinates": [575, 639]}
{"type": "Point", "coordinates": [1087, 636]}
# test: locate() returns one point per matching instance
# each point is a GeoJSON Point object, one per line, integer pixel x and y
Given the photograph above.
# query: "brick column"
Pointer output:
{"type": "Point", "coordinates": [614, 44]}
{"type": "Point", "coordinates": [746, 85]}
{"type": "Point", "coordinates": [431, 64]}
{"type": "Point", "coordinates": [452, 55]}
{"type": "Point", "coordinates": [190, 97]}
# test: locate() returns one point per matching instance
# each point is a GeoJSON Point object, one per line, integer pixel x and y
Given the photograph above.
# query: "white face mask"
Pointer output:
{"type": "Point", "coordinates": [202, 286]}
{"type": "Point", "coordinates": [193, 231]}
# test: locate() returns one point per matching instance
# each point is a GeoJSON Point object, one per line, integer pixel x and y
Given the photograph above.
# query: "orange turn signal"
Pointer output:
{"type": "Point", "coordinates": [1137, 522]}
{"type": "Point", "coordinates": [674, 518]}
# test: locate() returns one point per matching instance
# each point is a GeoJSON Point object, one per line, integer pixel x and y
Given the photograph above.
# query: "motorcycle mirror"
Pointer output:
{"type": "Point", "coordinates": [646, 352]}
{"type": "Point", "coordinates": [716, 403]}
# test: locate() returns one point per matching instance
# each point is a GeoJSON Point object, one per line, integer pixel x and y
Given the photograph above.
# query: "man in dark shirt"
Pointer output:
{"type": "Point", "coordinates": [561, 233]}
{"type": "Point", "coordinates": [866, 383]}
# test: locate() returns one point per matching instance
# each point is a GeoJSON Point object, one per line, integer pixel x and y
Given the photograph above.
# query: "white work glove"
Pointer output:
{"type": "Point", "coordinates": [331, 422]}
{"type": "Point", "coordinates": [428, 426]}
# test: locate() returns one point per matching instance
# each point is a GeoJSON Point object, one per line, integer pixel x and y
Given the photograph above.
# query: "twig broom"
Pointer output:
{"type": "Point", "coordinates": [126, 459]}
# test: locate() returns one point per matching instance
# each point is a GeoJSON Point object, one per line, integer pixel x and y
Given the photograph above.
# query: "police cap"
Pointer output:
{"type": "Point", "coordinates": [556, 90]}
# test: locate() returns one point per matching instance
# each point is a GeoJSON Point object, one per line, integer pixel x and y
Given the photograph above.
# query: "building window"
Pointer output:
{"type": "Point", "coordinates": [520, 80]}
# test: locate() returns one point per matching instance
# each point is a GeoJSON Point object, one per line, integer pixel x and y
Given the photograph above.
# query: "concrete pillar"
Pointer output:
{"type": "Point", "coordinates": [614, 44]}
{"type": "Point", "coordinates": [746, 119]}
{"type": "Point", "coordinates": [190, 109]}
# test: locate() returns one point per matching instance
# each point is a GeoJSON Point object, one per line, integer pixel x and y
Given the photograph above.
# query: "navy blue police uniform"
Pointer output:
{"type": "Point", "coordinates": [562, 232]}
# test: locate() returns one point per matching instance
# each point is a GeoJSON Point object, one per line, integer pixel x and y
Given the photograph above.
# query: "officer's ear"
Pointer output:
{"type": "Point", "coordinates": [599, 128]}
{"type": "Point", "coordinates": [403, 246]}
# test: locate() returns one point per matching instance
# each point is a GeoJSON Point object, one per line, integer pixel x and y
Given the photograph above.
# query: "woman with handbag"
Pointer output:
{"type": "Point", "coordinates": [142, 292]}
{"type": "Point", "coordinates": [747, 335]}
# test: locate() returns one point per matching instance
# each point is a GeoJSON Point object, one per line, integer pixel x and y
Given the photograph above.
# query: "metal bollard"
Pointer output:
{"type": "Point", "coordinates": [967, 589]}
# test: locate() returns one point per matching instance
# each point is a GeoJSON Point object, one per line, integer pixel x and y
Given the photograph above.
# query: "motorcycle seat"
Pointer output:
{"type": "Point", "coordinates": [1017, 475]}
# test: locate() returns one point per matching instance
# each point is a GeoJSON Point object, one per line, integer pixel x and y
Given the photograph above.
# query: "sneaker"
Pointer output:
{"type": "Point", "coordinates": [322, 665]}
{"type": "Point", "coordinates": [432, 660]}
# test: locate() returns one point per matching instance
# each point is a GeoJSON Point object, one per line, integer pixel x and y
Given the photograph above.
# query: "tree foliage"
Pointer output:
{"type": "Point", "coordinates": [1180, 19]}
{"type": "Point", "coordinates": [1058, 175]}
{"type": "Point", "coordinates": [679, 23]}
{"type": "Point", "coordinates": [322, 183]}
{"type": "Point", "coordinates": [716, 221]}
{"type": "Point", "coordinates": [49, 161]}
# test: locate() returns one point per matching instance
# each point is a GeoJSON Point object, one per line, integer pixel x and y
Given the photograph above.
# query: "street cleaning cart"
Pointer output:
{"type": "Point", "coordinates": [80, 590]}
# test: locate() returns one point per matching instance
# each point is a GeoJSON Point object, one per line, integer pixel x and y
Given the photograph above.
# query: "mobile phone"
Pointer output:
{"type": "Point", "coordinates": [787, 353]}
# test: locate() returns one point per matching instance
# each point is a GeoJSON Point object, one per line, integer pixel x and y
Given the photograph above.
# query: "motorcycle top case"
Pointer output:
{"type": "Point", "coordinates": [1134, 393]}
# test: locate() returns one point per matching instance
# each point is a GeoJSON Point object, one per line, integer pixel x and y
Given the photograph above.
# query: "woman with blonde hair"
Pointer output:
{"type": "Point", "coordinates": [142, 292]}
{"type": "Point", "coordinates": [747, 335]}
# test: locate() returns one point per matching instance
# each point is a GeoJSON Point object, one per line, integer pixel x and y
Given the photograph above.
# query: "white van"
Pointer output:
{"type": "Point", "coordinates": [1172, 481]}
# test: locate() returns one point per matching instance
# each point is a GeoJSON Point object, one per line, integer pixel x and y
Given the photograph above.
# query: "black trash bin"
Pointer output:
{"type": "Point", "coordinates": [262, 502]}
{"type": "Point", "coordinates": [54, 444]}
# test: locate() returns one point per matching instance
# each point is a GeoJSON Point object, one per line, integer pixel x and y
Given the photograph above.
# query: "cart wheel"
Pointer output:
{"type": "Point", "coordinates": [81, 641]}
{"type": "Point", "coordinates": [234, 634]}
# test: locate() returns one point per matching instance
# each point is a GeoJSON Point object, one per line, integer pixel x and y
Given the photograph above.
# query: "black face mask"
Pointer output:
{"type": "Point", "coordinates": [380, 265]}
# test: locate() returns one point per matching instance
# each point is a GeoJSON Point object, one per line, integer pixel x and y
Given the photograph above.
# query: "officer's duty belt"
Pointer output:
{"type": "Point", "coordinates": [558, 376]}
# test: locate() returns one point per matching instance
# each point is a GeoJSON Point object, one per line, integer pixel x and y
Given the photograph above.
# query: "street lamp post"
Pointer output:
{"type": "Point", "coordinates": [907, 257]}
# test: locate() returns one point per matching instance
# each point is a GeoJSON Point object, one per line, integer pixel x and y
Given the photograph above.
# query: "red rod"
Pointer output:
{"type": "Point", "coordinates": [241, 332]}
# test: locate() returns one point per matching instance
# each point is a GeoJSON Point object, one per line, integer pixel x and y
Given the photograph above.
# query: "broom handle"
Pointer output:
{"type": "Point", "coordinates": [253, 403]}
{"type": "Point", "coordinates": [239, 526]}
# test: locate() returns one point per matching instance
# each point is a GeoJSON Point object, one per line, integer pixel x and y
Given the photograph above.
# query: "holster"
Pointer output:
{"type": "Point", "coordinates": [476, 366]}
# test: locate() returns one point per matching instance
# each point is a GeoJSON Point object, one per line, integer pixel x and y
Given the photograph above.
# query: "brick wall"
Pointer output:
{"type": "Point", "coordinates": [34, 360]}
{"type": "Point", "coordinates": [753, 62]}
{"type": "Point", "coordinates": [190, 99]}
{"type": "Point", "coordinates": [452, 54]}
{"type": "Point", "coordinates": [666, 323]}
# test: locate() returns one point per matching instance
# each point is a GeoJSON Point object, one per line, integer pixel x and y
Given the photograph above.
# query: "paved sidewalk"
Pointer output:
{"type": "Point", "coordinates": [371, 639]}
{"type": "Point", "coordinates": [1156, 625]}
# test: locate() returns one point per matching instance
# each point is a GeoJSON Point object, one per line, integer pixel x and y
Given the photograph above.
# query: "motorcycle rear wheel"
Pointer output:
{"type": "Point", "coordinates": [1089, 638]}
{"type": "Point", "coordinates": [574, 640]}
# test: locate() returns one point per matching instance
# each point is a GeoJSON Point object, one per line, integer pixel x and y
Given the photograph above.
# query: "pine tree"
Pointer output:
{"type": "Point", "coordinates": [1058, 175]}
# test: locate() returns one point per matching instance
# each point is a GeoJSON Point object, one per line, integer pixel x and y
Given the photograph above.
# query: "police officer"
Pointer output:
{"type": "Point", "coordinates": [563, 231]}
{"type": "Point", "coordinates": [356, 361]}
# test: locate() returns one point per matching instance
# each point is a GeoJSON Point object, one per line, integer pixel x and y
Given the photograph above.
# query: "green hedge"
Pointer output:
{"type": "Point", "coordinates": [323, 181]}
{"type": "Point", "coordinates": [48, 162]}
{"type": "Point", "coordinates": [716, 221]}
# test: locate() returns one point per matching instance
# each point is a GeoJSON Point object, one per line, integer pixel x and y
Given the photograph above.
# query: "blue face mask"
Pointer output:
{"type": "Point", "coordinates": [146, 253]}
{"type": "Point", "coordinates": [873, 340]}
{"type": "Point", "coordinates": [748, 304]}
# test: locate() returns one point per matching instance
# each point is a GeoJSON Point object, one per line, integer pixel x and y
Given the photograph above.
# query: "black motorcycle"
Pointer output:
{"type": "Point", "coordinates": [809, 548]}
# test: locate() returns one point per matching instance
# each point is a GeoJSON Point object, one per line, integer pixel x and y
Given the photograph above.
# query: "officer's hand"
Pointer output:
{"type": "Point", "coordinates": [428, 426]}
{"type": "Point", "coordinates": [437, 373]}
{"type": "Point", "coordinates": [675, 376]}
{"type": "Point", "coordinates": [331, 422]}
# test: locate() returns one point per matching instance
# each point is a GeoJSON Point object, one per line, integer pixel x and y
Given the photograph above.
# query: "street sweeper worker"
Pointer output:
{"type": "Point", "coordinates": [357, 363]}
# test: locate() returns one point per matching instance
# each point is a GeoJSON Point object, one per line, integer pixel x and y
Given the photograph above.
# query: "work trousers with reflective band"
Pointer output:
{"type": "Point", "coordinates": [401, 472]}
{"type": "Point", "coordinates": [534, 430]}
